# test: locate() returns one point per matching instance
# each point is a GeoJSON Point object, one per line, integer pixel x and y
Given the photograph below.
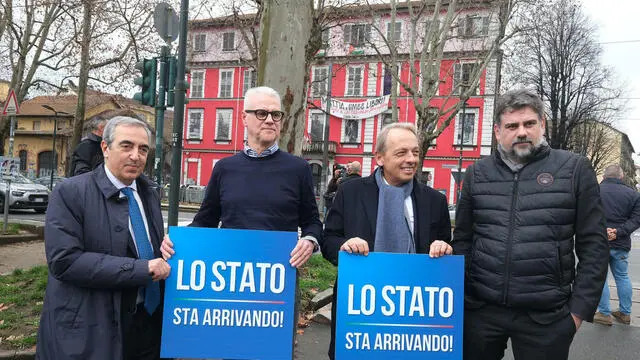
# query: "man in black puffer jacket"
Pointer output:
{"type": "Point", "coordinates": [521, 215]}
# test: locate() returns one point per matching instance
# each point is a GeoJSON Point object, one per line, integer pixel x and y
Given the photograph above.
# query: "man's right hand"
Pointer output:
{"type": "Point", "coordinates": [167, 248]}
{"type": "Point", "coordinates": [159, 269]}
{"type": "Point", "coordinates": [356, 245]}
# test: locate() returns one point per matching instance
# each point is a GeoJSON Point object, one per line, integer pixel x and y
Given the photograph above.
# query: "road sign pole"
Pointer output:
{"type": "Point", "coordinates": [7, 195]}
{"type": "Point", "coordinates": [160, 107]}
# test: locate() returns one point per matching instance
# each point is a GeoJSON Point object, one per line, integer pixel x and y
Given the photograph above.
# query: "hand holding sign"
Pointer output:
{"type": "Point", "coordinates": [356, 245]}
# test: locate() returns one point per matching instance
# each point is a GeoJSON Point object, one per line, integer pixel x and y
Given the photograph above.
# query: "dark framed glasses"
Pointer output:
{"type": "Point", "coordinates": [261, 114]}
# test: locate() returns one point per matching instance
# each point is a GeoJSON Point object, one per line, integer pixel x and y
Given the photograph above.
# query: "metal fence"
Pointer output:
{"type": "Point", "coordinates": [188, 193]}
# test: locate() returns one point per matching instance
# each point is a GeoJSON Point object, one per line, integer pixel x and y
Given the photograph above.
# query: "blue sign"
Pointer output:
{"type": "Point", "coordinates": [231, 295]}
{"type": "Point", "coordinates": [399, 306]}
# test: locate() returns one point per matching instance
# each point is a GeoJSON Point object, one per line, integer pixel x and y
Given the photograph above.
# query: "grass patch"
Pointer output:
{"type": "Point", "coordinates": [317, 275]}
{"type": "Point", "coordinates": [21, 296]}
{"type": "Point", "coordinates": [12, 229]}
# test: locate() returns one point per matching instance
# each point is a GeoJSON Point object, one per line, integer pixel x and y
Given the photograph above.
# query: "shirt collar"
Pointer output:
{"type": "Point", "coordinates": [117, 183]}
{"type": "Point", "coordinates": [254, 154]}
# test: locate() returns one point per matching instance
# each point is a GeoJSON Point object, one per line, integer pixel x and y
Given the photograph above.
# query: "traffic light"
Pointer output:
{"type": "Point", "coordinates": [148, 67]}
{"type": "Point", "coordinates": [171, 81]}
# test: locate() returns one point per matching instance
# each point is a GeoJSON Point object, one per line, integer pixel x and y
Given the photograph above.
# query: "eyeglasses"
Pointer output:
{"type": "Point", "coordinates": [262, 114]}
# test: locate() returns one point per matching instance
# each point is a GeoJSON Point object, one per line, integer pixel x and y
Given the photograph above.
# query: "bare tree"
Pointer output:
{"type": "Point", "coordinates": [596, 141]}
{"type": "Point", "coordinates": [559, 56]}
{"type": "Point", "coordinates": [441, 30]}
{"type": "Point", "coordinates": [130, 20]}
{"type": "Point", "coordinates": [33, 40]}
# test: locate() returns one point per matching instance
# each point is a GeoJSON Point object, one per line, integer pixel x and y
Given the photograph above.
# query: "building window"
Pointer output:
{"type": "Point", "coordinates": [23, 160]}
{"type": "Point", "coordinates": [249, 80]}
{"type": "Point", "coordinates": [354, 81]}
{"type": "Point", "coordinates": [319, 81]}
{"type": "Point", "coordinates": [398, 32]}
{"type": "Point", "coordinates": [226, 84]}
{"type": "Point", "coordinates": [36, 125]}
{"type": "Point", "coordinates": [223, 124]}
{"type": "Point", "coordinates": [385, 119]}
{"type": "Point", "coordinates": [472, 26]}
{"type": "Point", "coordinates": [357, 34]}
{"type": "Point", "coordinates": [228, 41]}
{"type": "Point", "coordinates": [388, 80]}
{"type": "Point", "coordinates": [197, 84]}
{"type": "Point", "coordinates": [351, 131]}
{"type": "Point", "coordinates": [199, 42]}
{"type": "Point", "coordinates": [470, 127]}
{"type": "Point", "coordinates": [195, 124]}
{"type": "Point", "coordinates": [316, 126]}
{"type": "Point", "coordinates": [325, 38]}
{"type": "Point", "coordinates": [462, 73]}
{"type": "Point", "coordinates": [316, 171]}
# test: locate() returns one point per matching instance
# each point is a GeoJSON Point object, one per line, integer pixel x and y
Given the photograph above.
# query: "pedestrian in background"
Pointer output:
{"type": "Point", "coordinates": [622, 211]}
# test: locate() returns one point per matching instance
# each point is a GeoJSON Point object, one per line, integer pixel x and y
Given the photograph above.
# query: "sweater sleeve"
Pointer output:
{"type": "Point", "coordinates": [309, 218]}
{"type": "Point", "coordinates": [591, 244]}
{"type": "Point", "coordinates": [210, 209]}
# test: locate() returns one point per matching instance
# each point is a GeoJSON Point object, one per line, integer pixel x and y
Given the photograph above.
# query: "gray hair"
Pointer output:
{"type": "Point", "coordinates": [96, 120]}
{"type": "Point", "coordinates": [110, 128]}
{"type": "Point", "coordinates": [381, 142]}
{"type": "Point", "coordinates": [613, 171]}
{"type": "Point", "coordinates": [260, 90]}
{"type": "Point", "coordinates": [516, 100]}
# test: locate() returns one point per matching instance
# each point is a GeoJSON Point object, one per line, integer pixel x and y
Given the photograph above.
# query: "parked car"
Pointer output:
{"type": "Point", "coordinates": [25, 194]}
{"type": "Point", "coordinates": [46, 180]}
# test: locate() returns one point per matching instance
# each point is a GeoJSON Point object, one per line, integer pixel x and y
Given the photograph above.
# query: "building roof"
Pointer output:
{"type": "Point", "coordinates": [346, 11]}
{"type": "Point", "coordinates": [68, 103]}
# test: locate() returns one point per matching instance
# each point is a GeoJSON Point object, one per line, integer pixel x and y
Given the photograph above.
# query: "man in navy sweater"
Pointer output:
{"type": "Point", "coordinates": [262, 188]}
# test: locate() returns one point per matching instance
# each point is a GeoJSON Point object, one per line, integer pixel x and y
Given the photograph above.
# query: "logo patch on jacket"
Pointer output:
{"type": "Point", "coordinates": [545, 179]}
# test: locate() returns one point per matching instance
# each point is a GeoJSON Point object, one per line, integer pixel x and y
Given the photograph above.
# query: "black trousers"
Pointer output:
{"type": "Point", "coordinates": [141, 335]}
{"type": "Point", "coordinates": [487, 329]}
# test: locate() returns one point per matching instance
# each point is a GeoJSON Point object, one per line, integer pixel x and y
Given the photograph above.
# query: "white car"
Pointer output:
{"type": "Point", "coordinates": [25, 194]}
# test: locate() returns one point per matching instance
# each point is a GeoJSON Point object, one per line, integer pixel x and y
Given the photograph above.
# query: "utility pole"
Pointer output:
{"type": "Point", "coordinates": [461, 134]}
{"type": "Point", "coordinates": [325, 145]}
{"type": "Point", "coordinates": [178, 120]}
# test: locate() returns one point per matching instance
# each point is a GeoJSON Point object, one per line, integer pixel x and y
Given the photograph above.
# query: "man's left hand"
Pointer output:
{"type": "Point", "coordinates": [301, 253]}
{"type": "Point", "coordinates": [577, 321]}
{"type": "Point", "coordinates": [439, 248]}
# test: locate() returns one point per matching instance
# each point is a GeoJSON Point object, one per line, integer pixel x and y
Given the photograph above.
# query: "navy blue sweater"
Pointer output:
{"type": "Point", "coordinates": [268, 193]}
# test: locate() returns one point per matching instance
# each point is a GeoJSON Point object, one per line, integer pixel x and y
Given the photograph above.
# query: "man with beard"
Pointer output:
{"type": "Point", "coordinates": [522, 214]}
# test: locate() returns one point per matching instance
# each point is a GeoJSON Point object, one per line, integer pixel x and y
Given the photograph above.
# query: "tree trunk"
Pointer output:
{"type": "Point", "coordinates": [286, 30]}
{"type": "Point", "coordinates": [78, 122]}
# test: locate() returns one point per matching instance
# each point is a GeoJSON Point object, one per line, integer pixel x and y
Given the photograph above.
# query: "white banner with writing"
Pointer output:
{"type": "Point", "coordinates": [357, 110]}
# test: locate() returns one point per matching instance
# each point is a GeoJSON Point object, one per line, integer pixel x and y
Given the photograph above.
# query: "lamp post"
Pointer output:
{"type": "Point", "coordinates": [461, 134]}
{"type": "Point", "coordinates": [53, 145]}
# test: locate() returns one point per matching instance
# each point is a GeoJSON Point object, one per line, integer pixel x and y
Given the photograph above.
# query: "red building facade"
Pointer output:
{"type": "Point", "coordinates": [213, 124]}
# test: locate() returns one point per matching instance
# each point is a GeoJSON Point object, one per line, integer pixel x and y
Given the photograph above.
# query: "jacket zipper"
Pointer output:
{"type": "Point", "coordinates": [514, 199]}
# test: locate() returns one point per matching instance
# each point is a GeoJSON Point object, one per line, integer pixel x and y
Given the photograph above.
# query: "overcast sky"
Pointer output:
{"type": "Point", "coordinates": [619, 34]}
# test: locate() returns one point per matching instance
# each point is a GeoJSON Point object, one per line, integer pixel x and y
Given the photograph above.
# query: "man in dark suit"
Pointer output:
{"type": "Point", "coordinates": [102, 238]}
{"type": "Point", "coordinates": [400, 214]}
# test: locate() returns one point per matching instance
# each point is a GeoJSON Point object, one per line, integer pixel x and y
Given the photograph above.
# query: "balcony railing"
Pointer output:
{"type": "Point", "coordinates": [317, 147]}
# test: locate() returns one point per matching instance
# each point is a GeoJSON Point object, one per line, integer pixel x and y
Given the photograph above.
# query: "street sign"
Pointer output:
{"type": "Point", "coordinates": [449, 166]}
{"type": "Point", "coordinates": [11, 105]}
{"type": "Point", "coordinates": [166, 22]}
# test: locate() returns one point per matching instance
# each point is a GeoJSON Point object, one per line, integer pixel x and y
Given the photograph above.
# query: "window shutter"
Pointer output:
{"type": "Point", "coordinates": [346, 33]}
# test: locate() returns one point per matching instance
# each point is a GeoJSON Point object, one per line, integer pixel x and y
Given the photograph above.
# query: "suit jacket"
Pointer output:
{"type": "Point", "coordinates": [94, 273]}
{"type": "Point", "coordinates": [355, 210]}
{"type": "Point", "coordinates": [354, 213]}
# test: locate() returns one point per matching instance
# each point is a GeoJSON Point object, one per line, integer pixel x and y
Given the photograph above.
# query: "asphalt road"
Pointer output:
{"type": "Point", "coordinates": [184, 217]}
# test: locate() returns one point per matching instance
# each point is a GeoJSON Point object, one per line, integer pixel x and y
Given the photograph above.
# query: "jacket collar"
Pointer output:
{"type": "Point", "coordinates": [370, 201]}
{"type": "Point", "coordinates": [108, 189]}
{"type": "Point", "coordinates": [612, 181]}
